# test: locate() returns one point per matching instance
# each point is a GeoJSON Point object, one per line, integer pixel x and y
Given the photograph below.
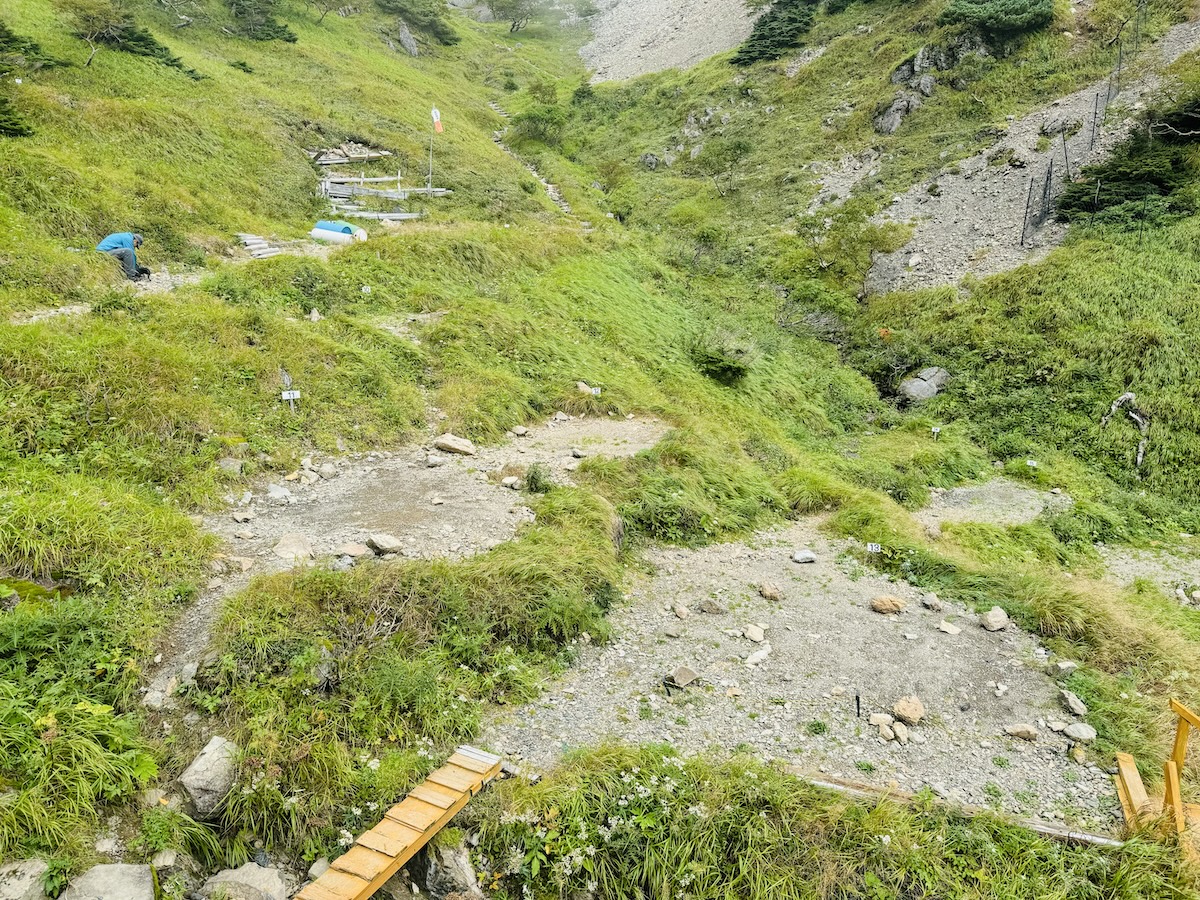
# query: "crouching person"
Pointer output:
{"type": "Point", "coordinates": [123, 247]}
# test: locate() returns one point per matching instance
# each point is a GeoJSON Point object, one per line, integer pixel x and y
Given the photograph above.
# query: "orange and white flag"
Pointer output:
{"type": "Point", "coordinates": [437, 120]}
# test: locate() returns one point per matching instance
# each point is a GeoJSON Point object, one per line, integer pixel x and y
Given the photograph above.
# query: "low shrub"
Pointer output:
{"type": "Point", "coordinates": [1000, 18]}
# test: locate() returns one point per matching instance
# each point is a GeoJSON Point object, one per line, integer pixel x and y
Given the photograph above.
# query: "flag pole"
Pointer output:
{"type": "Point", "coordinates": [429, 185]}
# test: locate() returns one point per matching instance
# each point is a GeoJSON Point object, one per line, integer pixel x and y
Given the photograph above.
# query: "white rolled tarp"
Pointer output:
{"type": "Point", "coordinates": [337, 237]}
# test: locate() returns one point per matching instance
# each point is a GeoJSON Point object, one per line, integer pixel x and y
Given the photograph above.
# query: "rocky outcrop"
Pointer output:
{"type": "Point", "coordinates": [889, 120]}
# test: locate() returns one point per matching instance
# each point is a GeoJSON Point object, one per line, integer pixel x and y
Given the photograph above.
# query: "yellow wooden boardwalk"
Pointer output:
{"type": "Point", "coordinates": [380, 853]}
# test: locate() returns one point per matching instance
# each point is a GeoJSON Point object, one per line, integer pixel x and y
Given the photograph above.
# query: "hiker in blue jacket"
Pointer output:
{"type": "Point", "coordinates": [123, 247]}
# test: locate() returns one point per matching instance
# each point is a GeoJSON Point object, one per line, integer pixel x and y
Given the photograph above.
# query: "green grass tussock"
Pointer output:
{"type": "Point", "coordinates": [622, 822]}
{"type": "Point", "coordinates": [341, 684]}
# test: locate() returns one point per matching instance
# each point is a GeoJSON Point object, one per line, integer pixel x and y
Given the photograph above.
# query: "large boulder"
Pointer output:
{"type": "Point", "coordinates": [209, 779]}
{"type": "Point", "coordinates": [23, 880]}
{"type": "Point", "coordinates": [250, 882]}
{"type": "Point", "coordinates": [925, 384]}
{"type": "Point", "coordinates": [112, 882]}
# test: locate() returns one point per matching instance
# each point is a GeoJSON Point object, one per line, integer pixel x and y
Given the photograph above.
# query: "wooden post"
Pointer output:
{"type": "Point", "coordinates": [1179, 752]}
{"type": "Point", "coordinates": [1172, 800]}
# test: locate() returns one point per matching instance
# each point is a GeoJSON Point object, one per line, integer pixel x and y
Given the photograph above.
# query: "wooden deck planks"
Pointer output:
{"type": "Point", "coordinates": [405, 829]}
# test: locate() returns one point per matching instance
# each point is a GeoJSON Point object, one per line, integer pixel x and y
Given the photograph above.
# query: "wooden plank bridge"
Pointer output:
{"type": "Point", "coordinates": [408, 826]}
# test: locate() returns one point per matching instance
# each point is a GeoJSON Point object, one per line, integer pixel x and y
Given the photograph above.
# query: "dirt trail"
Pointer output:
{"type": "Point", "coordinates": [636, 37]}
{"type": "Point", "coordinates": [969, 219]}
{"type": "Point", "coordinates": [827, 647]}
{"type": "Point", "coordinates": [552, 190]}
{"type": "Point", "coordinates": [436, 504]}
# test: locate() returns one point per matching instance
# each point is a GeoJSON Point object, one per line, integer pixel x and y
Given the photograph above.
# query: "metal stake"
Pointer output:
{"type": "Point", "coordinates": [1028, 203]}
{"type": "Point", "coordinates": [429, 185]}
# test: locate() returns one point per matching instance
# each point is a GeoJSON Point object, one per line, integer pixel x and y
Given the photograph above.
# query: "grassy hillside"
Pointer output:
{"type": "Point", "coordinates": [114, 420]}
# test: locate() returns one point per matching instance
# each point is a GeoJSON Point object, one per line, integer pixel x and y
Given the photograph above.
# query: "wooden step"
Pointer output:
{"type": "Point", "coordinates": [1130, 790]}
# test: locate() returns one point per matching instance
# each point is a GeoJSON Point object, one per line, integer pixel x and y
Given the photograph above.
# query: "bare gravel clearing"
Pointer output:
{"type": "Point", "coordinates": [832, 663]}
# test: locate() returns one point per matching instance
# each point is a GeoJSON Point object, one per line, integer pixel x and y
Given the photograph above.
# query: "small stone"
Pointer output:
{"type": "Point", "coordinates": [561, 416]}
{"type": "Point", "coordinates": [995, 619]}
{"type": "Point", "coordinates": [1064, 667]}
{"type": "Point", "coordinates": [450, 443]}
{"type": "Point", "coordinates": [293, 547]}
{"type": "Point", "coordinates": [432, 461]}
{"type": "Point", "coordinates": [886, 732]}
{"type": "Point", "coordinates": [577, 453]}
{"type": "Point", "coordinates": [230, 466]}
{"type": "Point", "coordinates": [242, 516]}
{"type": "Point", "coordinates": [948, 628]}
{"type": "Point", "coordinates": [327, 470]}
{"type": "Point", "coordinates": [909, 710]}
{"type": "Point", "coordinates": [681, 611]}
{"type": "Point", "coordinates": [318, 868]}
{"type": "Point", "coordinates": [354, 551]}
{"type": "Point", "coordinates": [1072, 703]}
{"type": "Point", "coordinates": [583, 387]}
{"type": "Point", "coordinates": [754, 633]}
{"type": "Point", "coordinates": [511, 481]}
{"type": "Point", "coordinates": [878, 719]}
{"type": "Point", "coordinates": [1056, 726]}
{"type": "Point", "coordinates": [682, 676]}
{"type": "Point", "coordinates": [673, 630]}
{"type": "Point", "coordinates": [804, 556]}
{"type": "Point", "coordinates": [768, 590]}
{"type": "Point", "coordinates": [758, 657]}
{"type": "Point", "coordinates": [165, 860]}
{"type": "Point", "coordinates": [244, 535]}
{"type": "Point", "coordinates": [1077, 753]}
{"type": "Point", "coordinates": [1080, 732]}
{"type": "Point", "coordinates": [437, 501]}
{"type": "Point", "coordinates": [931, 602]}
{"type": "Point", "coordinates": [384, 543]}
{"type": "Point", "coordinates": [279, 493]}
{"type": "Point", "coordinates": [1022, 730]}
{"type": "Point", "coordinates": [520, 430]}
{"type": "Point", "coordinates": [712, 607]}
{"type": "Point", "coordinates": [901, 732]}
{"type": "Point", "coordinates": [886, 604]}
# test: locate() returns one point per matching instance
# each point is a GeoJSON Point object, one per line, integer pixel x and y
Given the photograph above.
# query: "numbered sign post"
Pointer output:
{"type": "Point", "coordinates": [291, 397]}
{"type": "Point", "coordinates": [874, 548]}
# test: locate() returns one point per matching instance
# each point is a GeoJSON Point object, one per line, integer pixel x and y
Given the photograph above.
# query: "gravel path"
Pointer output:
{"type": "Point", "coordinates": [636, 37]}
{"type": "Point", "coordinates": [826, 647]}
{"type": "Point", "coordinates": [1170, 572]}
{"type": "Point", "coordinates": [451, 509]}
{"type": "Point", "coordinates": [996, 502]}
{"type": "Point", "coordinates": [971, 223]}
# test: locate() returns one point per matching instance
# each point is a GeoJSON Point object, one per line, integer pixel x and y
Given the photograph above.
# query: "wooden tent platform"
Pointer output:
{"type": "Point", "coordinates": [1142, 810]}
{"type": "Point", "coordinates": [408, 826]}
